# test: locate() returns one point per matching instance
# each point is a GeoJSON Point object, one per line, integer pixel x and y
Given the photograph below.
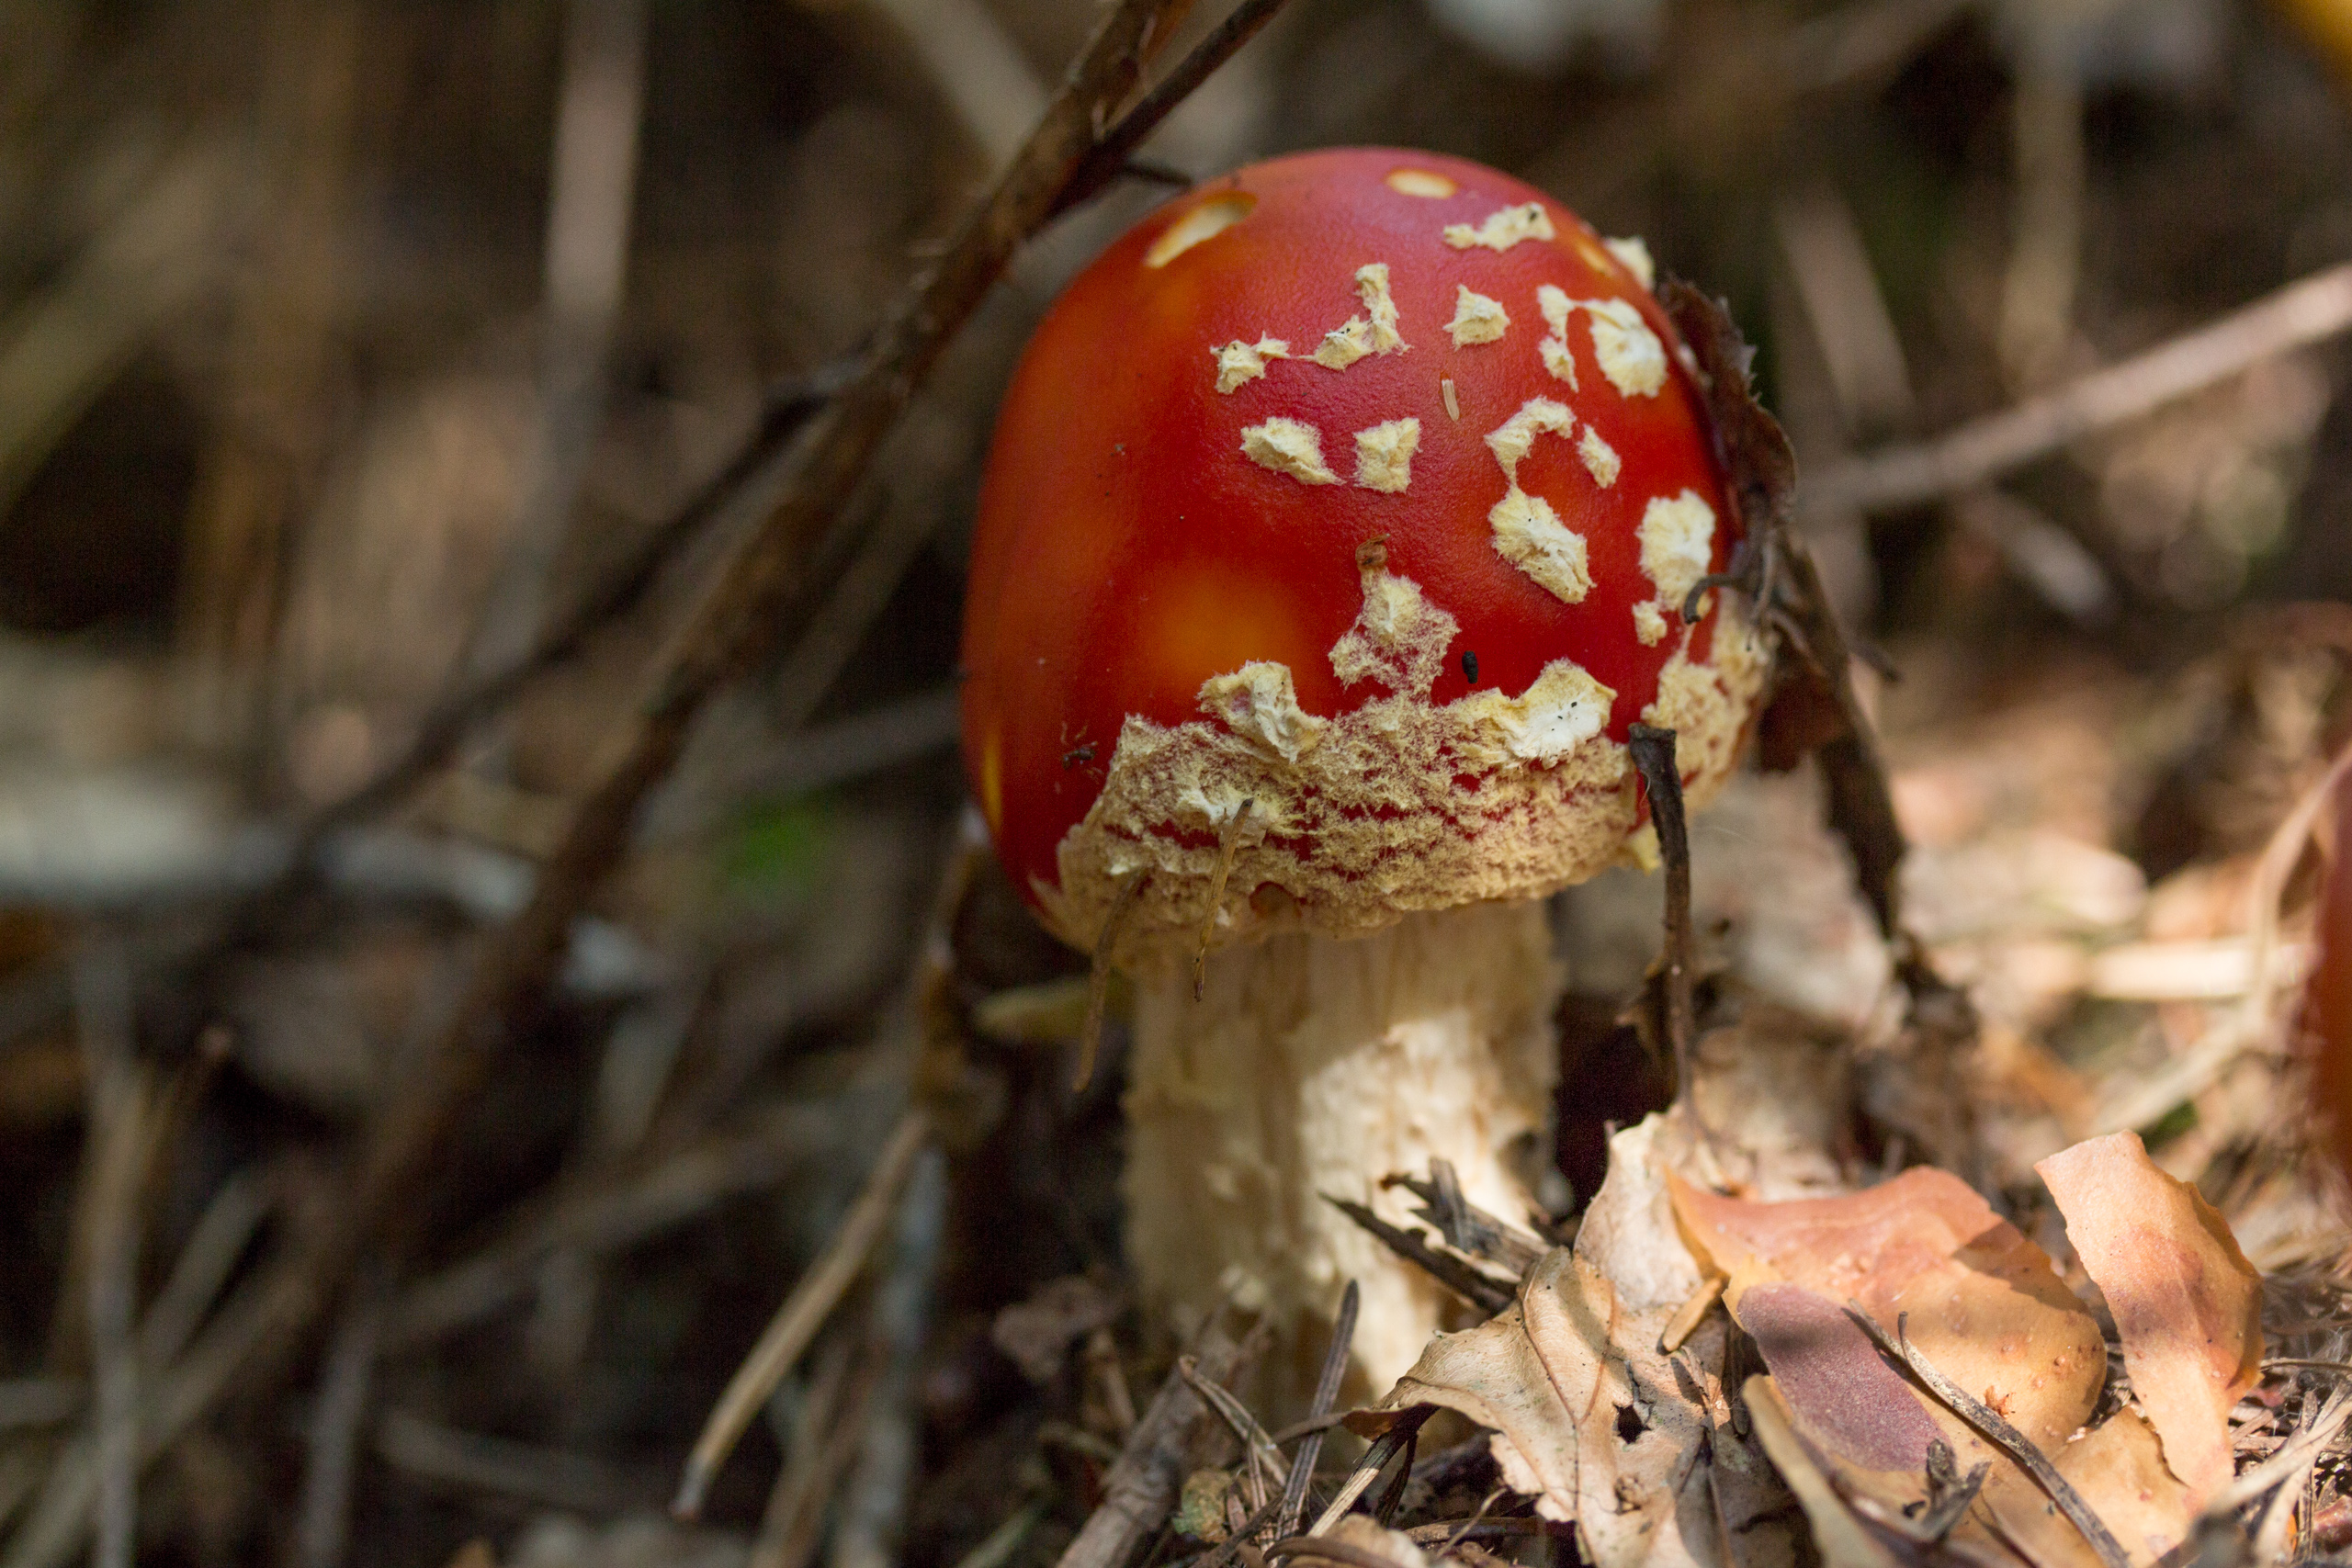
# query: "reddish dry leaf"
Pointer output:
{"type": "Point", "coordinates": [1982, 1303]}
{"type": "Point", "coordinates": [2119, 1468]}
{"type": "Point", "coordinates": [1858, 1406]}
{"type": "Point", "coordinates": [2188, 1305]}
{"type": "Point", "coordinates": [1840, 1539]}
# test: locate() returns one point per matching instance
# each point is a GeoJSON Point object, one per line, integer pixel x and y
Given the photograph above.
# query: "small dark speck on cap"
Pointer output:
{"type": "Point", "coordinates": [1469, 666]}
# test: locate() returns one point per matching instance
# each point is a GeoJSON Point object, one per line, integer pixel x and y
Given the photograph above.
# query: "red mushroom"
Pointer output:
{"type": "Point", "coordinates": [1338, 525]}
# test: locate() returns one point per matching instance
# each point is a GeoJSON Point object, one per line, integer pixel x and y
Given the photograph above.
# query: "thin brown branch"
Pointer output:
{"type": "Point", "coordinates": [1399, 1439]}
{"type": "Point", "coordinates": [2303, 313]}
{"type": "Point", "coordinates": [1489, 1296]}
{"type": "Point", "coordinates": [803, 1313]}
{"type": "Point", "coordinates": [1114, 154]}
{"type": "Point", "coordinates": [1259, 1453]}
{"type": "Point", "coordinates": [1986, 1419]}
{"type": "Point", "coordinates": [602, 1211]}
{"type": "Point", "coordinates": [1653, 751]}
{"type": "Point", "coordinates": [1141, 1487]}
{"type": "Point", "coordinates": [1326, 1394]}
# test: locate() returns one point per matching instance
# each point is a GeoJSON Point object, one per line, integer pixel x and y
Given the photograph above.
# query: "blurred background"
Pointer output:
{"type": "Point", "coordinates": [348, 347]}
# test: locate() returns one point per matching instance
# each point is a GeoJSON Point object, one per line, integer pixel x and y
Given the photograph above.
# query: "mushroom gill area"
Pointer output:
{"type": "Point", "coordinates": [1345, 825]}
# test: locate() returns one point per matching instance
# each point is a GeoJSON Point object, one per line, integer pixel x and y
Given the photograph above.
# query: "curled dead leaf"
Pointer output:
{"type": "Point", "coordinates": [1363, 1533]}
{"type": "Point", "coordinates": [1984, 1303]}
{"type": "Point", "coordinates": [2188, 1305]}
{"type": "Point", "coordinates": [1589, 1418]}
{"type": "Point", "coordinates": [2119, 1468]}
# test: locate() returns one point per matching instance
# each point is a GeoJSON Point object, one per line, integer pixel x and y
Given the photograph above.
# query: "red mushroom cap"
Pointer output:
{"type": "Point", "coordinates": [1339, 519]}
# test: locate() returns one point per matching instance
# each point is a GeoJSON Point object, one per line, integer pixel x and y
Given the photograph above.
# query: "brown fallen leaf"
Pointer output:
{"type": "Point", "coordinates": [1590, 1419]}
{"type": "Point", "coordinates": [2188, 1305]}
{"type": "Point", "coordinates": [1982, 1303]}
{"type": "Point", "coordinates": [1842, 1539]}
{"type": "Point", "coordinates": [2119, 1468]}
{"type": "Point", "coordinates": [1362, 1532]}
{"type": "Point", "coordinates": [1980, 1300]}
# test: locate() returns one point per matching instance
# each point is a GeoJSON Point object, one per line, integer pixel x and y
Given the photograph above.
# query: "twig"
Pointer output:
{"type": "Point", "coordinates": [38, 1401]}
{"type": "Point", "coordinates": [1113, 152]}
{"type": "Point", "coordinates": [207, 1259]}
{"type": "Point", "coordinates": [803, 1313]}
{"type": "Point", "coordinates": [1489, 1296]}
{"type": "Point", "coordinates": [2289, 1461]}
{"type": "Point", "coordinates": [2012, 1441]}
{"type": "Point", "coordinates": [872, 1510]}
{"type": "Point", "coordinates": [2252, 1022]}
{"type": "Point", "coordinates": [1257, 1449]}
{"type": "Point", "coordinates": [1241, 1540]}
{"type": "Point", "coordinates": [1393, 1441]}
{"type": "Point", "coordinates": [1328, 1550]}
{"type": "Point", "coordinates": [1100, 965]}
{"type": "Point", "coordinates": [170, 1405]}
{"type": "Point", "coordinates": [2305, 312]}
{"type": "Point", "coordinates": [1326, 1394]}
{"type": "Point", "coordinates": [999, 1545]}
{"type": "Point", "coordinates": [118, 1133]}
{"type": "Point", "coordinates": [1141, 1487]}
{"type": "Point", "coordinates": [478, 1462]}
{"type": "Point", "coordinates": [824, 1440]}
{"type": "Point", "coordinates": [1464, 1226]}
{"type": "Point", "coordinates": [608, 1211]}
{"type": "Point", "coordinates": [322, 1516]}
{"type": "Point", "coordinates": [1653, 751]}
{"type": "Point", "coordinates": [1446, 1530]}
{"type": "Point", "coordinates": [592, 190]}
{"type": "Point", "coordinates": [747, 476]}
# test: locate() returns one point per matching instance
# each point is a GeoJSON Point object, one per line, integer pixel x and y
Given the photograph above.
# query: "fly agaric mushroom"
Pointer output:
{"type": "Point", "coordinates": [1338, 525]}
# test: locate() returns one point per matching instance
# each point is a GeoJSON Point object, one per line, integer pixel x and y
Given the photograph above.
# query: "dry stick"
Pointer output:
{"type": "Point", "coordinates": [1229, 844]}
{"type": "Point", "coordinates": [1328, 1551]}
{"type": "Point", "coordinates": [1113, 154]}
{"type": "Point", "coordinates": [2013, 1443]}
{"type": "Point", "coordinates": [803, 1313]}
{"type": "Point", "coordinates": [1257, 1449]}
{"type": "Point", "coordinates": [1326, 1394]}
{"type": "Point", "coordinates": [592, 190]}
{"type": "Point", "coordinates": [1653, 751]}
{"type": "Point", "coordinates": [1141, 1487]}
{"type": "Point", "coordinates": [1241, 1540]}
{"type": "Point", "coordinates": [207, 1260]}
{"type": "Point", "coordinates": [2309, 312]}
{"type": "Point", "coordinates": [599, 1212]}
{"type": "Point", "coordinates": [1001, 1543]}
{"type": "Point", "coordinates": [734, 625]}
{"type": "Point", "coordinates": [2303, 1445]}
{"type": "Point", "coordinates": [1098, 976]}
{"type": "Point", "coordinates": [1489, 1296]}
{"type": "Point", "coordinates": [833, 1423]}
{"type": "Point", "coordinates": [786, 409]}
{"type": "Point", "coordinates": [1392, 1442]}
{"type": "Point", "coordinates": [120, 1102]}
{"type": "Point", "coordinates": [168, 1407]}
{"type": "Point", "coordinates": [322, 1516]}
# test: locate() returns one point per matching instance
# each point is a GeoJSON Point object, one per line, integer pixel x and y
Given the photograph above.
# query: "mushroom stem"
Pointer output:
{"type": "Point", "coordinates": [1313, 1064]}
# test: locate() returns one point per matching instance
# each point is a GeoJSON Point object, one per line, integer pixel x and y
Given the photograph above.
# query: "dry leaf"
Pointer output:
{"type": "Point", "coordinates": [2188, 1305]}
{"type": "Point", "coordinates": [1984, 1303]}
{"type": "Point", "coordinates": [1367, 1535]}
{"type": "Point", "coordinates": [1036, 1335]}
{"type": "Point", "coordinates": [1590, 1419]}
{"type": "Point", "coordinates": [1841, 1537]}
{"type": "Point", "coordinates": [2119, 1468]}
{"type": "Point", "coordinates": [1973, 1295]}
